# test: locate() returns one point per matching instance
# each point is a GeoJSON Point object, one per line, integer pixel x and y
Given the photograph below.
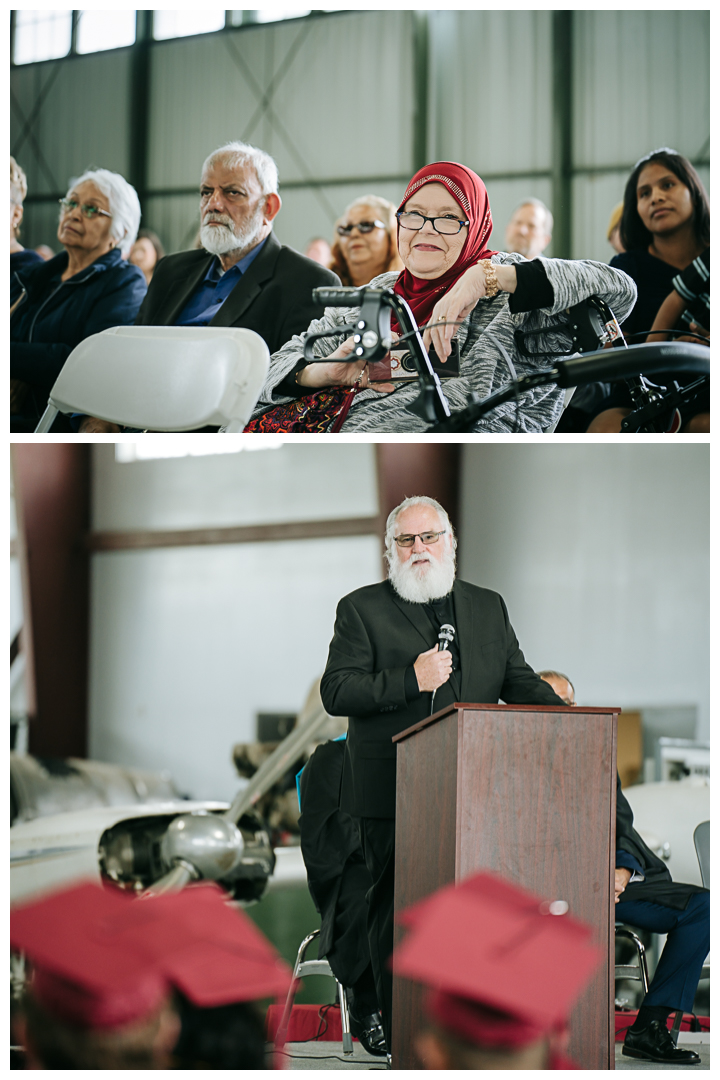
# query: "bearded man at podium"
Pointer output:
{"type": "Point", "coordinates": [401, 650]}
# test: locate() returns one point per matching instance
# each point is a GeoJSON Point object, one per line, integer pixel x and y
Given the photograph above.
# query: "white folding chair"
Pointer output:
{"type": "Point", "coordinates": [163, 378]}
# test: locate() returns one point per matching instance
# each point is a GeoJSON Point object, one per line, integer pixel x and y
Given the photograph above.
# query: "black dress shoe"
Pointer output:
{"type": "Point", "coordinates": [654, 1044]}
{"type": "Point", "coordinates": [368, 1029]}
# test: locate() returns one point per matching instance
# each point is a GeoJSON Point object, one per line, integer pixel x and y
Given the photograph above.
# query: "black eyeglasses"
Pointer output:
{"type": "Point", "coordinates": [448, 225]}
{"type": "Point", "coordinates": [361, 226]}
{"type": "Point", "coordinates": [86, 209]}
{"type": "Point", "coordinates": [407, 540]}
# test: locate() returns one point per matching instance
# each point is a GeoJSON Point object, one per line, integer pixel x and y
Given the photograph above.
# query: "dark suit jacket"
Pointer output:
{"type": "Point", "coordinates": [273, 297]}
{"type": "Point", "coordinates": [658, 886]}
{"type": "Point", "coordinates": [377, 637]}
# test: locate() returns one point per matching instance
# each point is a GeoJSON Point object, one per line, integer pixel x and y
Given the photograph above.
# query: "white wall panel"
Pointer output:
{"type": "Point", "coordinates": [490, 89]}
{"type": "Point", "coordinates": [343, 100]}
{"type": "Point", "coordinates": [602, 555]}
{"type": "Point", "coordinates": [641, 81]}
{"type": "Point", "coordinates": [594, 198]}
{"type": "Point", "coordinates": [189, 644]}
{"type": "Point", "coordinates": [298, 482]}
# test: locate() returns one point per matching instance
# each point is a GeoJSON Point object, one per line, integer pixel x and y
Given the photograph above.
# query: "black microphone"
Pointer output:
{"type": "Point", "coordinates": [338, 297]}
{"type": "Point", "coordinates": [445, 637]}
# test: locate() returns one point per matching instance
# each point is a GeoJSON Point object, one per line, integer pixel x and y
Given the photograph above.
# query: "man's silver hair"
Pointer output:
{"type": "Point", "coordinates": [123, 200]}
{"type": "Point", "coordinates": [415, 500]}
{"type": "Point", "coordinates": [239, 154]}
{"type": "Point", "coordinates": [531, 201]}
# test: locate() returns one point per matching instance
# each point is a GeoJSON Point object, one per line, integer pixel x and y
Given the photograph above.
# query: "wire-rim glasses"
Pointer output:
{"type": "Point", "coordinates": [408, 539]}
{"type": "Point", "coordinates": [86, 209]}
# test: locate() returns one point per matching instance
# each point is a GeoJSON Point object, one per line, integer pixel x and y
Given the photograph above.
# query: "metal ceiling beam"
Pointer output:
{"type": "Point", "coordinates": [562, 70]}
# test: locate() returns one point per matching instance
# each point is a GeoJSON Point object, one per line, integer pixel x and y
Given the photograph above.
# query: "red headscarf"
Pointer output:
{"type": "Point", "coordinates": [468, 190]}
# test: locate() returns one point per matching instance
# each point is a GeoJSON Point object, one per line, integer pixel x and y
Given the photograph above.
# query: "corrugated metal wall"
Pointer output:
{"type": "Point", "coordinates": [334, 99]}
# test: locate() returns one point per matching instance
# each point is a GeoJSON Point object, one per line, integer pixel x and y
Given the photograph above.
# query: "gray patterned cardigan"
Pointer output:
{"type": "Point", "coordinates": [483, 368]}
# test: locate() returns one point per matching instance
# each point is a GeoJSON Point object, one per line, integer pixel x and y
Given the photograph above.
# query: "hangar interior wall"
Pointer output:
{"type": "Point", "coordinates": [602, 556]}
{"type": "Point", "coordinates": [189, 643]}
{"type": "Point", "coordinates": [351, 102]}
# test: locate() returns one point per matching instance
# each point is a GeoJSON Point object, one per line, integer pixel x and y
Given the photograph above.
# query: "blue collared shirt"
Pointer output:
{"type": "Point", "coordinates": [212, 292]}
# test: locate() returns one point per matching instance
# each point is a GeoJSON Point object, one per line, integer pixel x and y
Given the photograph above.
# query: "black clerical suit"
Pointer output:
{"type": "Point", "coordinates": [369, 678]}
{"type": "Point", "coordinates": [273, 296]}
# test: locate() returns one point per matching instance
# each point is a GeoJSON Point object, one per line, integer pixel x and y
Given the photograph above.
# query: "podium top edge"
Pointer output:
{"type": "Point", "coordinates": [576, 710]}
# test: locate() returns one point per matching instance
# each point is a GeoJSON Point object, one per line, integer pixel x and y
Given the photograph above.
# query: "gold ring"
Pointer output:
{"type": "Point", "coordinates": [442, 318]}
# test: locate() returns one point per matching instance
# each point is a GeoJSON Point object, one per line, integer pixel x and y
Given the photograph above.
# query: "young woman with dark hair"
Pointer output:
{"type": "Point", "coordinates": [665, 226]}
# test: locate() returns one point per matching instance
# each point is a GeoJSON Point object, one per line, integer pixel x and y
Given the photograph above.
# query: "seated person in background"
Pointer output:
{"type": "Point", "coordinates": [529, 230]}
{"type": "Point", "coordinates": [241, 275]}
{"type": "Point", "coordinates": [613, 233]}
{"type": "Point", "coordinates": [318, 250]}
{"type": "Point", "coordinates": [146, 252]}
{"type": "Point", "coordinates": [501, 977]}
{"type": "Point", "coordinates": [479, 296]}
{"type": "Point", "coordinates": [365, 243]}
{"type": "Point", "coordinates": [651, 900]}
{"type": "Point", "coordinates": [106, 967]}
{"type": "Point", "coordinates": [560, 684]}
{"type": "Point", "coordinates": [87, 288]}
{"type": "Point", "coordinates": [20, 259]}
{"type": "Point", "coordinates": [665, 226]}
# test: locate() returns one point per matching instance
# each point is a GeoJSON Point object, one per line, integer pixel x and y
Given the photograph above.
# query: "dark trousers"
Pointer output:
{"type": "Point", "coordinates": [378, 841]}
{"type": "Point", "coordinates": [688, 943]}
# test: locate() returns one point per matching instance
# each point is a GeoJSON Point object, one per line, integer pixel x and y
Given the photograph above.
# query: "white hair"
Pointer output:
{"type": "Point", "coordinates": [123, 201]}
{"type": "Point", "coordinates": [238, 154]}
{"type": "Point", "coordinates": [531, 201]}
{"type": "Point", "coordinates": [415, 500]}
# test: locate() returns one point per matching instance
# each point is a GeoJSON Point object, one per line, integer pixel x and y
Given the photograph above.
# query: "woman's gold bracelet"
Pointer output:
{"type": "Point", "coordinates": [492, 286]}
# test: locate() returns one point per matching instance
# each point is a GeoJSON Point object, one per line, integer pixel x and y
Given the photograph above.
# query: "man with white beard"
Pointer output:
{"type": "Point", "coordinates": [242, 275]}
{"type": "Point", "coordinates": [384, 666]}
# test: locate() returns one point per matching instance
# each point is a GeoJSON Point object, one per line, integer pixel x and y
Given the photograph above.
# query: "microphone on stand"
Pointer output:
{"type": "Point", "coordinates": [445, 636]}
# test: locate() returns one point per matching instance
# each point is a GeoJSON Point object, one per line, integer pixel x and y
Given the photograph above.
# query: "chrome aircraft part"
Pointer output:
{"type": "Point", "coordinates": [212, 845]}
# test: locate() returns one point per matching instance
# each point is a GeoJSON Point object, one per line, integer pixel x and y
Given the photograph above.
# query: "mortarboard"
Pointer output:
{"type": "Point", "coordinates": [502, 967]}
{"type": "Point", "coordinates": [102, 959]}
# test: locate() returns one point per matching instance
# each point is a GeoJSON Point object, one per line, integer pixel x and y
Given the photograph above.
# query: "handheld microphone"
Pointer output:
{"type": "Point", "coordinates": [445, 636]}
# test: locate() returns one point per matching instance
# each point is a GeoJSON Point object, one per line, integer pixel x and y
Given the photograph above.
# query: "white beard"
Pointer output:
{"type": "Point", "coordinates": [419, 586]}
{"type": "Point", "coordinates": [227, 236]}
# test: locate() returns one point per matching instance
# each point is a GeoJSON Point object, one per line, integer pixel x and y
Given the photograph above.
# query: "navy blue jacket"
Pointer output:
{"type": "Point", "coordinates": [54, 316]}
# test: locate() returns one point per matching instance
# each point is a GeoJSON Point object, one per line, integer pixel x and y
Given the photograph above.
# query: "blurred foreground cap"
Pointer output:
{"type": "Point", "coordinates": [102, 959]}
{"type": "Point", "coordinates": [504, 967]}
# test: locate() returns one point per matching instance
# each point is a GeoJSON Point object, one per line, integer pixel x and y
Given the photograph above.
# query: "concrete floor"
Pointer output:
{"type": "Point", "coordinates": [329, 1055]}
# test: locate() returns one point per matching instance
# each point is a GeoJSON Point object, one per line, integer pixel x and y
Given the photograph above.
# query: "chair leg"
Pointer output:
{"type": "Point", "coordinates": [675, 1030]}
{"type": "Point", "coordinates": [47, 419]}
{"type": "Point", "coordinates": [281, 1035]}
{"type": "Point", "coordinates": [345, 1019]}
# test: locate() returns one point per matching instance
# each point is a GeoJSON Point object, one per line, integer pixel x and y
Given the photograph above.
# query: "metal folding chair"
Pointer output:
{"type": "Point", "coordinates": [637, 971]}
{"type": "Point", "coordinates": [313, 967]}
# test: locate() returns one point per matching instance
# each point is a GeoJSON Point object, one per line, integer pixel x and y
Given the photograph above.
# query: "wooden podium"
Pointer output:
{"type": "Point", "coordinates": [525, 791]}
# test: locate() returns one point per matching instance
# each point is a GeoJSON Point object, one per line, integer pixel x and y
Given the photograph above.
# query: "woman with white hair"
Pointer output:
{"type": "Point", "coordinates": [87, 288]}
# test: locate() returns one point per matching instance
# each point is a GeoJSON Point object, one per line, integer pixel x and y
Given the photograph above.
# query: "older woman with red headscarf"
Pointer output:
{"type": "Point", "coordinates": [451, 276]}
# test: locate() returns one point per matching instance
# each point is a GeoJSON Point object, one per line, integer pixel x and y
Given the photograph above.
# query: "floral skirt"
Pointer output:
{"type": "Point", "coordinates": [324, 411]}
